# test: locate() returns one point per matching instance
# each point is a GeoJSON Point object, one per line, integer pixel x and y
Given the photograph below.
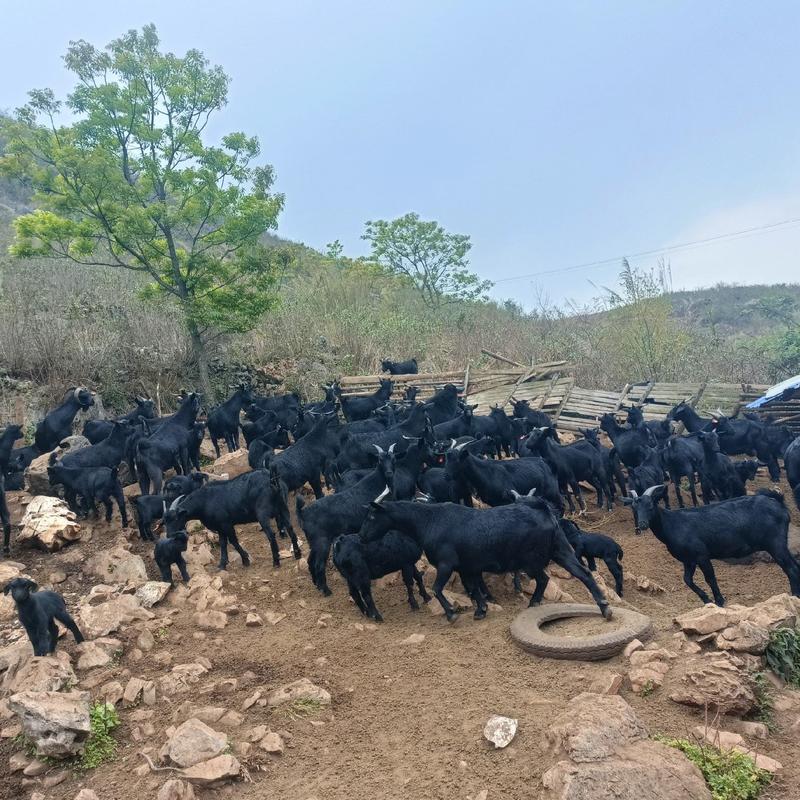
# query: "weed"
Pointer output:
{"type": "Point", "coordinates": [100, 746]}
{"type": "Point", "coordinates": [648, 689]}
{"type": "Point", "coordinates": [302, 707]}
{"type": "Point", "coordinates": [783, 654]}
{"type": "Point", "coordinates": [161, 634]}
{"type": "Point", "coordinates": [764, 700]}
{"type": "Point", "coordinates": [730, 775]}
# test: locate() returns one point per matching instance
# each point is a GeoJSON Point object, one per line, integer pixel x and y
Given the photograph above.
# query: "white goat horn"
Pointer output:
{"type": "Point", "coordinates": [515, 494]}
{"type": "Point", "coordinates": [650, 491]}
{"type": "Point", "coordinates": [174, 506]}
{"type": "Point", "coordinates": [633, 494]}
{"type": "Point", "coordinates": [532, 492]}
{"type": "Point", "coordinates": [385, 493]}
{"type": "Point", "coordinates": [379, 449]}
{"type": "Point", "coordinates": [392, 446]}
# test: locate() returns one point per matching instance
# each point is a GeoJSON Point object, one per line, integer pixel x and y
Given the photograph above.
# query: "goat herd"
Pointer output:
{"type": "Point", "coordinates": [404, 476]}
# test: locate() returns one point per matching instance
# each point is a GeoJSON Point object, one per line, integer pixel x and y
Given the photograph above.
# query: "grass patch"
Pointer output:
{"type": "Point", "coordinates": [302, 707]}
{"type": "Point", "coordinates": [648, 689]}
{"type": "Point", "coordinates": [783, 654]}
{"type": "Point", "coordinates": [764, 700]}
{"type": "Point", "coordinates": [729, 775]}
{"type": "Point", "coordinates": [100, 746]}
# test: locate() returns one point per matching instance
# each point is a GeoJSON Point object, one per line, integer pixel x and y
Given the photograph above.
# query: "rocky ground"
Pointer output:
{"type": "Point", "coordinates": [249, 683]}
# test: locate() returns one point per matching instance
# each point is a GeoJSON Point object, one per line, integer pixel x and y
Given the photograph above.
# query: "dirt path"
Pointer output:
{"type": "Point", "coordinates": [406, 720]}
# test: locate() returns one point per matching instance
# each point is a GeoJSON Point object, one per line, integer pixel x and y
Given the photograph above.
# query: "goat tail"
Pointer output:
{"type": "Point", "coordinates": [775, 495]}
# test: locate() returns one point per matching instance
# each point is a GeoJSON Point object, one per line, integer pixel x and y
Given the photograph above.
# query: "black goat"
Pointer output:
{"type": "Point", "coordinates": [150, 507]}
{"type": "Point", "coordinates": [730, 529]}
{"type": "Point", "coordinates": [590, 546]}
{"type": "Point", "coordinates": [400, 367]}
{"type": "Point", "coordinates": [535, 417]}
{"type": "Point", "coordinates": [571, 465]}
{"type": "Point", "coordinates": [443, 405]}
{"type": "Point", "coordinates": [90, 484]}
{"type": "Point", "coordinates": [261, 450]}
{"type": "Point", "coordinates": [453, 428]}
{"type": "Point", "coordinates": [38, 612]}
{"type": "Point", "coordinates": [361, 562]}
{"type": "Point", "coordinates": [95, 430]}
{"type": "Point", "coordinates": [257, 496]}
{"type": "Point", "coordinates": [109, 452]}
{"type": "Point", "coordinates": [791, 463]}
{"type": "Point", "coordinates": [497, 426]}
{"type": "Point", "coordinates": [630, 443]}
{"type": "Point", "coordinates": [683, 458]}
{"type": "Point", "coordinates": [223, 421]}
{"type": "Point", "coordinates": [356, 408]}
{"type": "Point", "coordinates": [492, 481]}
{"type": "Point", "coordinates": [265, 421]}
{"type": "Point", "coordinates": [718, 469]}
{"type": "Point", "coordinates": [772, 443]}
{"type": "Point", "coordinates": [591, 436]}
{"type": "Point", "coordinates": [737, 436]}
{"type": "Point", "coordinates": [658, 431]}
{"type": "Point", "coordinates": [340, 513]}
{"type": "Point", "coordinates": [747, 469]}
{"type": "Point", "coordinates": [169, 551]}
{"type": "Point", "coordinates": [524, 536]}
{"type": "Point", "coordinates": [168, 447]}
{"type": "Point", "coordinates": [285, 406]}
{"type": "Point", "coordinates": [57, 424]}
{"type": "Point", "coordinates": [649, 473]}
{"type": "Point", "coordinates": [10, 434]}
{"type": "Point", "coordinates": [309, 457]}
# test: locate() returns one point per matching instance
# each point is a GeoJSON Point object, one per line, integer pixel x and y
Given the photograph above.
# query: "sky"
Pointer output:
{"type": "Point", "coordinates": [554, 134]}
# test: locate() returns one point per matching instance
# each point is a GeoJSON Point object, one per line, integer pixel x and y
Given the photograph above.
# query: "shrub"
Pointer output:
{"type": "Point", "coordinates": [730, 775]}
{"type": "Point", "coordinates": [783, 654]}
{"type": "Point", "coordinates": [101, 746]}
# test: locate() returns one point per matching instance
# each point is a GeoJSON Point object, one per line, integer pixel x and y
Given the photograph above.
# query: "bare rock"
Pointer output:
{"type": "Point", "coordinates": [253, 621]}
{"type": "Point", "coordinates": [56, 722]}
{"type": "Point", "coordinates": [234, 464]}
{"type": "Point", "coordinates": [175, 789]}
{"type": "Point", "coordinates": [302, 689]}
{"type": "Point", "coordinates": [274, 617]}
{"type": "Point", "coordinates": [86, 794]}
{"type": "Point", "coordinates": [649, 668]}
{"type": "Point", "coordinates": [109, 616]}
{"type": "Point", "coordinates": [48, 524]}
{"type": "Point", "coordinates": [709, 619]}
{"type": "Point", "coordinates": [145, 641]}
{"type": "Point", "coordinates": [415, 638]}
{"type": "Point", "coordinates": [193, 742]}
{"type": "Point", "coordinates": [632, 647]}
{"type": "Point", "coordinates": [210, 620]}
{"type": "Point", "coordinates": [778, 611]}
{"type": "Point", "coordinates": [112, 692]}
{"type": "Point", "coordinates": [744, 637]}
{"type": "Point", "coordinates": [40, 674]}
{"type": "Point", "coordinates": [713, 680]}
{"type": "Point", "coordinates": [272, 743]}
{"type": "Point", "coordinates": [181, 678]}
{"type": "Point", "coordinates": [641, 770]}
{"type": "Point", "coordinates": [722, 740]}
{"type": "Point", "coordinates": [59, 576]}
{"type": "Point", "coordinates": [755, 730]}
{"type": "Point", "coordinates": [214, 771]}
{"type": "Point", "coordinates": [606, 683]}
{"type": "Point", "coordinates": [500, 730]}
{"type": "Point", "coordinates": [553, 592]}
{"type": "Point", "coordinates": [152, 593]}
{"type": "Point", "coordinates": [593, 726]}
{"type": "Point", "coordinates": [118, 565]}
{"type": "Point", "coordinates": [644, 584]}
{"type": "Point", "coordinates": [98, 652]}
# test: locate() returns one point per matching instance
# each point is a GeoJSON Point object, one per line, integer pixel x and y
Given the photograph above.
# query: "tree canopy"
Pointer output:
{"type": "Point", "coordinates": [431, 259]}
{"type": "Point", "coordinates": [129, 183]}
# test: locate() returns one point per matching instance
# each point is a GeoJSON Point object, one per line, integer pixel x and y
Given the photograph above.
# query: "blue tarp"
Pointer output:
{"type": "Point", "coordinates": [781, 391]}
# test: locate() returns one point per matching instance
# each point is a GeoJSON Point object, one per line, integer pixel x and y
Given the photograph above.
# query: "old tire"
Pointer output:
{"type": "Point", "coordinates": [526, 631]}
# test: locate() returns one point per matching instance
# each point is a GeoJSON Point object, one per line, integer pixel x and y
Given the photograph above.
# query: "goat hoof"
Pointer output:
{"type": "Point", "coordinates": [452, 616]}
{"type": "Point", "coordinates": [479, 614]}
{"type": "Point", "coordinates": [326, 591]}
{"type": "Point", "coordinates": [606, 611]}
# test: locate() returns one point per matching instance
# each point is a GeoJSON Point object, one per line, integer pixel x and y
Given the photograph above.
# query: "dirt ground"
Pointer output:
{"type": "Point", "coordinates": [406, 719]}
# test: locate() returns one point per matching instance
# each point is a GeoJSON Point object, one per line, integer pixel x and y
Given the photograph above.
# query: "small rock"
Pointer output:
{"type": "Point", "coordinates": [18, 761]}
{"type": "Point", "coordinates": [175, 789]}
{"type": "Point", "coordinates": [606, 683]}
{"type": "Point", "coordinates": [415, 638]}
{"type": "Point", "coordinates": [215, 770]}
{"type": "Point", "coordinates": [302, 689]}
{"type": "Point", "coordinates": [632, 647]}
{"type": "Point", "coordinates": [59, 576]}
{"type": "Point", "coordinates": [210, 620]}
{"type": "Point", "coordinates": [273, 617]}
{"type": "Point", "coordinates": [86, 794]}
{"type": "Point", "coordinates": [253, 621]}
{"type": "Point", "coordinates": [145, 641]}
{"type": "Point", "coordinates": [649, 668]}
{"type": "Point", "coordinates": [54, 778]}
{"type": "Point", "coordinates": [272, 743]}
{"type": "Point", "coordinates": [500, 730]}
{"type": "Point", "coordinates": [35, 768]}
{"type": "Point", "coordinates": [56, 722]}
{"type": "Point", "coordinates": [133, 692]}
{"type": "Point", "coordinates": [644, 584]}
{"type": "Point", "coordinates": [151, 593]}
{"type": "Point", "coordinates": [194, 742]}
{"type": "Point", "coordinates": [756, 730]}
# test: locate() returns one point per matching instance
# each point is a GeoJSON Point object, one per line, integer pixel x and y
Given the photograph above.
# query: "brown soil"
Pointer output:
{"type": "Point", "coordinates": [406, 720]}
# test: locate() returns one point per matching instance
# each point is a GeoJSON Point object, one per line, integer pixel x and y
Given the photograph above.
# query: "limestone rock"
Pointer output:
{"type": "Point", "coordinates": [233, 464]}
{"type": "Point", "coordinates": [272, 743]}
{"type": "Point", "coordinates": [56, 722]}
{"type": "Point", "coordinates": [109, 616]}
{"type": "Point", "coordinates": [606, 683]}
{"type": "Point", "coordinates": [648, 668]}
{"type": "Point", "coordinates": [48, 524]}
{"type": "Point", "coordinates": [500, 730]}
{"type": "Point", "coordinates": [744, 637]}
{"type": "Point", "coordinates": [40, 674]}
{"type": "Point", "coordinates": [713, 680]}
{"type": "Point", "coordinates": [641, 770]}
{"type": "Point", "coordinates": [253, 621]}
{"type": "Point", "coordinates": [175, 789]}
{"type": "Point", "coordinates": [152, 593]}
{"type": "Point", "coordinates": [302, 689]}
{"type": "Point", "coordinates": [593, 726]}
{"type": "Point", "coordinates": [118, 565]}
{"type": "Point", "coordinates": [181, 678]}
{"type": "Point", "coordinates": [214, 771]}
{"type": "Point", "coordinates": [414, 638]}
{"type": "Point", "coordinates": [709, 619]}
{"type": "Point", "coordinates": [644, 584]}
{"type": "Point", "coordinates": [210, 620]}
{"type": "Point", "coordinates": [778, 611]}
{"type": "Point", "coordinates": [98, 652]}
{"type": "Point", "coordinates": [632, 647]}
{"type": "Point", "coordinates": [193, 742]}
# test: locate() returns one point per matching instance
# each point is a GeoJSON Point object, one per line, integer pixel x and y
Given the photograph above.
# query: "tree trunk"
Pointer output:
{"type": "Point", "coordinates": [201, 360]}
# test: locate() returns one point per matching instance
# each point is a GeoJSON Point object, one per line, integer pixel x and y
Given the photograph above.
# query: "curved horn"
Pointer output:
{"type": "Point", "coordinates": [633, 494]}
{"type": "Point", "coordinates": [452, 443]}
{"type": "Point", "coordinates": [532, 492]}
{"type": "Point", "coordinates": [649, 492]}
{"type": "Point", "coordinates": [380, 450]}
{"type": "Point", "coordinates": [383, 495]}
{"type": "Point", "coordinates": [463, 444]}
{"type": "Point", "coordinates": [174, 506]}
{"type": "Point", "coordinates": [516, 495]}
{"type": "Point", "coordinates": [391, 447]}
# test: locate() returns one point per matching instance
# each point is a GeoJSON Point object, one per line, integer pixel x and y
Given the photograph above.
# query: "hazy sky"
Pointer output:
{"type": "Point", "coordinates": [553, 133]}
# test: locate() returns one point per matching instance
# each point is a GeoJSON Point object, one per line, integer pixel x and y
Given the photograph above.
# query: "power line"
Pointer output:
{"type": "Point", "coordinates": [657, 251]}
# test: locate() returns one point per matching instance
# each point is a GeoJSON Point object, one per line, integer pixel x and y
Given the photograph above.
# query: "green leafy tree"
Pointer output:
{"type": "Point", "coordinates": [431, 259]}
{"type": "Point", "coordinates": [130, 184]}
